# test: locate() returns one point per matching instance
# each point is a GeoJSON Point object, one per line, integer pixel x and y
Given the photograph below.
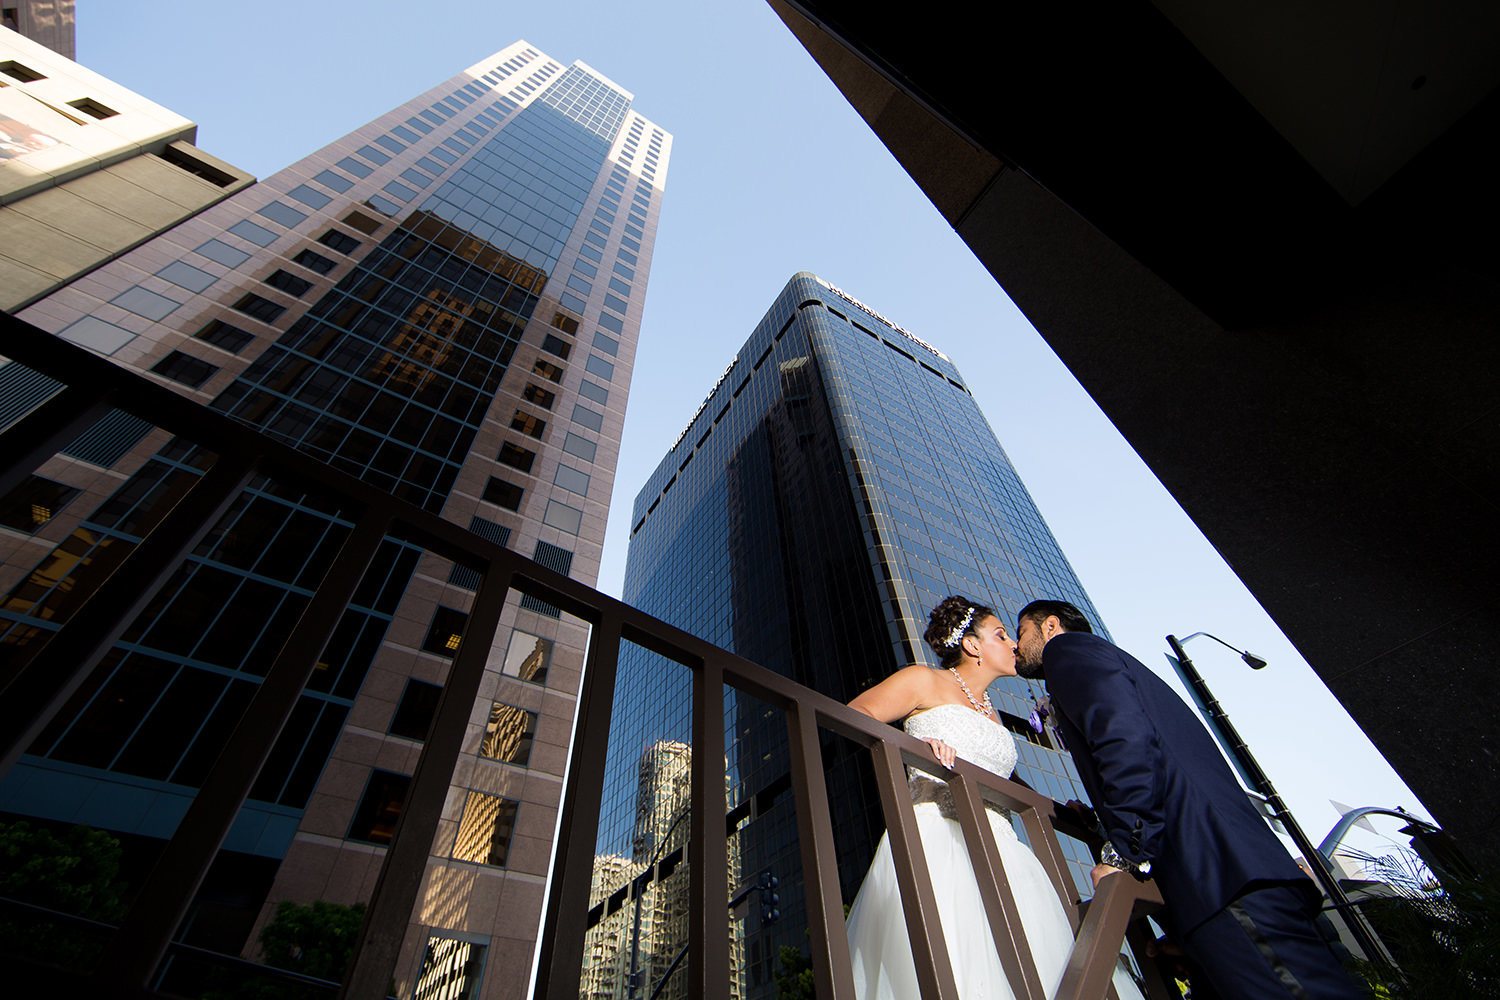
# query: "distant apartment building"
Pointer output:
{"type": "Point", "coordinates": [49, 22]}
{"type": "Point", "coordinates": [639, 906]}
{"type": "Point", "coordinates": [444, 303]}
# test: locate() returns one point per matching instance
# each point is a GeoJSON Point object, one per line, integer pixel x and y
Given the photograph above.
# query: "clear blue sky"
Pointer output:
{"type": "Point", "coordinates": [771, 173]}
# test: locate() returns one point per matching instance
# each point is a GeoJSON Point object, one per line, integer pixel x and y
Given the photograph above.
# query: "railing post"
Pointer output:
{"type": "Point", "coordinates": [833, 971]}
{"type": "Point", "coordinates": [1097, 948]}
{"type": "Point", "coordinates": [46, 683]}
{"type": "Point", "coordinates": [394, 898]}
{"type": "Point", "coordinates": [918, 901]}
{"type": "Point", "coordinates": [708, 919]}
{"type": "Point", "coordinates": [994, 888]}
{"type": "Point", "coordinates": [1043, 837]}
{"type": "Point", "coordinates": [144, 935]}
{"type": "Point", "coordinates": [563, 923]}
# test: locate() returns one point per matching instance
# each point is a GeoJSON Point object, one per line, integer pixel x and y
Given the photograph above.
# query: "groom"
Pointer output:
{"type": "Point", "coordinates": [1175, 813]}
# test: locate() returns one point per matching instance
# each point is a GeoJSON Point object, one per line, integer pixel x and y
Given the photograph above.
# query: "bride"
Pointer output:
{"type": "Point", "coordinates": [942, 709]}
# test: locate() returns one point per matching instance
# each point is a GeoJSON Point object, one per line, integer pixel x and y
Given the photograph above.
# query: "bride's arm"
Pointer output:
{"type": "Point", "coordinates": [897, 696]}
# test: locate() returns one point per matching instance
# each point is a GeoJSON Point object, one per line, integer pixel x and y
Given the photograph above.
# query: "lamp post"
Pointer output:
{"type": "Point", "coordinates": [1248, 767]}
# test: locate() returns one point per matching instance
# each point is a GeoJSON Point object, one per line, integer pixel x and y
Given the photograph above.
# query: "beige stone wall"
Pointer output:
{"type": "Point", "coordinates": [67, 230]}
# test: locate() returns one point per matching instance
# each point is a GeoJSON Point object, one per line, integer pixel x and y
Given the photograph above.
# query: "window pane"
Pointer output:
{"type": "Point", "coordinates": [414, 714]}
{"type": "Point", "coordinates": [527, 656]}
{"type": "Point", "coordinates": [451, 970]}
{"type": "Point", "coordinates": [375, 819]}
{"type": "Point", "coordinates": [484, 832]}
{"type": "Point", "coordinates": [445, 632]}
{"type": "Point", "coordinates": [508, 734]}
{"type": "Point", "coordinates": [33, 503]}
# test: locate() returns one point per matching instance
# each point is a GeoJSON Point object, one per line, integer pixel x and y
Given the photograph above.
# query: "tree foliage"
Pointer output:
{"type": "Point", "coordinates": [794, 977]}
{"type": "Point", "coordinates": [77, 873]}
{"type": "Point", "coordinates": [315, 940]}
{"type": "Point", "coordinates": [1443, 935]}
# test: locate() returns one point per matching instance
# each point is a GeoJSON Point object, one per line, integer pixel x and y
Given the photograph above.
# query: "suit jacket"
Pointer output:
{"type": "Point", "coordinates": [1158, 781]}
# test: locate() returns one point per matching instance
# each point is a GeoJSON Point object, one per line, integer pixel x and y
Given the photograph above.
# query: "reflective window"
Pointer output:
{"type": "Point", "coordinates": [310, 197]}
{"type": "Point", "coordinates": [571, 480]}
{"type": "Point", "coordinates": [452, 969]}
{"type": "Point", "coordinates": [414, 712]}
{"type": "Point", "coordinates": [222, 253]}
{"type": "Point", "coordinates": [287, 282]}
{"type": "Point", "coordinates": [528, 424]}
{"type": "Point", "coordinates": [484, 832]}
{"type": "Point", "coordinates": [562, 517]}
{"type": "Point", "coordinates": [353, 166]}
{"type": "Point", "coordinates": [33, 503]}
{"type": "Point", "coordinates": [594, 391]}
{"type": "Point", "coordinates": [187, 276]}
{"type": "Point", "coordinates": [527, 656]}
{"type": "Point", "coordinates": [380, 807]}
{"type": "Point", "coordinates": [508, 734]}
{"type": "Point", "coordinates": [537, 395]}
{"type": "Point", "coordinates": [342, 242]}
{"type": "Point", "coordinates": [144, 303]}
{"type": "Point", "coordinates": [184, 369]}
{"type": "Point", "coordinates": [516, 457]}
{"type": "Point", "coordinates": [503, 494]}
{"type": "Point", "coordinates": [315, 262]}
{"type": "Point", "coordinates": [446, 631]}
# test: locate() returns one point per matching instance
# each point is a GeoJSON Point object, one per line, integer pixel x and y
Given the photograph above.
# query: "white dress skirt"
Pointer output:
{"type": "Point", "coordinates": [883, 965]}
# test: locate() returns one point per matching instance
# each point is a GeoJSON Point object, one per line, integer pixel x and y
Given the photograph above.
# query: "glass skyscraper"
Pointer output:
{"type": "Point", "coordinates": [444, 303]}
{"type": "Point", "coordinates": [838, 482]}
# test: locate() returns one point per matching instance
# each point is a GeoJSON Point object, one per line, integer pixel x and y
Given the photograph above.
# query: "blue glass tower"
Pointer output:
{"type": "Point", "coordinates": [835, 485]}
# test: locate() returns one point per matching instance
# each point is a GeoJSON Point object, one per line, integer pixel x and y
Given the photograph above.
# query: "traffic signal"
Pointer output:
{"type": "Point", "coordinates": [770, 900]}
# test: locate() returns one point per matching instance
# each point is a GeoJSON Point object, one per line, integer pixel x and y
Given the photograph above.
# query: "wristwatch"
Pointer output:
{"type": "Point", "coordinates": [1109, 856]}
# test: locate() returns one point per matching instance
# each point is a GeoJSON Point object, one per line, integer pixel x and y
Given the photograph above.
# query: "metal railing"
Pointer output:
{"type": "Point", "coordinates": [135, 951]}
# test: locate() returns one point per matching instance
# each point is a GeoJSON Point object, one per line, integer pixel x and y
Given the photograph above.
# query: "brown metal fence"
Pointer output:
{"type": "Point", "coordinates": [135, 950]}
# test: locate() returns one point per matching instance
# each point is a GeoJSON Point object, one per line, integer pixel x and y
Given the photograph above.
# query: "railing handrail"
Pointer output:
{"type": "Point", "coordinates": [91, 382]}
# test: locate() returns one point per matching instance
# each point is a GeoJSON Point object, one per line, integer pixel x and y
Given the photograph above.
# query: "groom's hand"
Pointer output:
{"type": "Point", "coordinates": [1101, 872]}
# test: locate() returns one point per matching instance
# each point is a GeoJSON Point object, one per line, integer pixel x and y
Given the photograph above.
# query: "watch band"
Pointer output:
{"type": "Point", "coordinates": [1111, 857]}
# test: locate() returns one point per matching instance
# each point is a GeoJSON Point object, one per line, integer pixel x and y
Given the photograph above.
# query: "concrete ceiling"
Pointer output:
{"type": "Point", "coordinates": [1358, 87]}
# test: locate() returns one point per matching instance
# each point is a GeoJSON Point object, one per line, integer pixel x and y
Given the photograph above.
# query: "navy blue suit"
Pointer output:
{"type": "Point", "coordinates": [1165, 794]}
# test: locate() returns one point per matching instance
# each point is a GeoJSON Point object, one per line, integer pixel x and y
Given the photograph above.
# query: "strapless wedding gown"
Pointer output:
{"type": "Point", "coordinates": [878, 943]}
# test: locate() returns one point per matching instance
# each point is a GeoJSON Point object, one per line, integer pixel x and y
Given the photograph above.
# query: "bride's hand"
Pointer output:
{"type": "Point", "coordinates": [944, 752]}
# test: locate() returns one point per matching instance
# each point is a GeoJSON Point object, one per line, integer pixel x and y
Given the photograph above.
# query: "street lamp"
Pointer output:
{"type": "Point", "coordinates": [1250, 769]}
{"type": "Point", "coordinates": [1255, 662]}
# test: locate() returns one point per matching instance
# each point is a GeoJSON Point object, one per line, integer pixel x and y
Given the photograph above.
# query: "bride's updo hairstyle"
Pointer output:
{"type": "Point", "coordinates": [949, 622]}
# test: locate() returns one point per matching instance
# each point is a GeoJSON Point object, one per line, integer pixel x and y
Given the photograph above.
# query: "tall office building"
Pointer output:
{"type": "Point", "coordinates": [444, 303]}
{"type": "Point", "coordinates": [838, 481]}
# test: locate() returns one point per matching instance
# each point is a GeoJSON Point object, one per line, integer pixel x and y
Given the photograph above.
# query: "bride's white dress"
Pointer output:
{"type": "Point", "coordinates": [883, 964]}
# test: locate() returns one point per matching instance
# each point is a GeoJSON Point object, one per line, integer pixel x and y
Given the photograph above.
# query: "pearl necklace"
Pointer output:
{"type": "Point", "coordinates": [984, 707]}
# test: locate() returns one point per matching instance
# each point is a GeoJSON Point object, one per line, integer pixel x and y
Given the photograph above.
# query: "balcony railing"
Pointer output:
{"type": "Point", "coordinates": [134, 951]}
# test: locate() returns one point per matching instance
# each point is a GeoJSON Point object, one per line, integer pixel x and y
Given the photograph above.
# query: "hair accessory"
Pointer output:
{"type": "Point", "coordinates": [957, 634]}
{"type": "Point", "coordinates": [984, 708]}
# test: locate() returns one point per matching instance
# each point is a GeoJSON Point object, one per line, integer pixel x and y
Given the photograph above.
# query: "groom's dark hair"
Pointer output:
{"type": "Point", "coordinates": [1071, 618]}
